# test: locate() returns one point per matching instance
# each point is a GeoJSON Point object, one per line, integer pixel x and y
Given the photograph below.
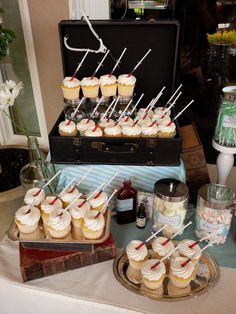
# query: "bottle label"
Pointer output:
{"type": "Point", "coordinates": [141, 222]}
{"type": "Point", "coordinates": [210, 227]}
{"type": "Point", "coordinates": [168, 220]}
{"type": "Point", "coordinates": [124, 205]}
{"type": "Point", "coordinates": [229, 122]}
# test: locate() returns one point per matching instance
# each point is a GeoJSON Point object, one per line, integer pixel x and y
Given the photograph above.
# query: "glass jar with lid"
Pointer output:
{"type": "Point", "coordinates": [170, 205]}
{"type": "Point", "coordinates": [214, 212]}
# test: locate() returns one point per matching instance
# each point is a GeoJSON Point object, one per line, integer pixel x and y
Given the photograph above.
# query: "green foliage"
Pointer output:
{"type": "Point", "coordinates": [6, 37]}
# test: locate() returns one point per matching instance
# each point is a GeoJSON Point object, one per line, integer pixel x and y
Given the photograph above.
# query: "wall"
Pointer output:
{"type": "Point", "coordinates": [45, 16]}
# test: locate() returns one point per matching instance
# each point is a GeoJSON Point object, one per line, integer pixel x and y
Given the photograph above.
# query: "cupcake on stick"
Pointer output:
{"type": "Point", "coordinates": [126, 82]}
{"type": "Point", "coordinates": [71, 85]}
{"type": "Point", "coordinates": [90, 85]}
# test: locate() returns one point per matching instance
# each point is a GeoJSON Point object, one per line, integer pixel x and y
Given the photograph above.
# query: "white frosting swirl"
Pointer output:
{"type": "Point", "coordinates": [160, 110]}
{"type": "Point", "coordinates": [68, 128]}
{"type": "Point", "coordinates": [160, 249]}
{"type": "Point", "coordinates": [125, 79]}
{"type": "Point", "coordinates": [107, 80]}
{"type": "Point", "coordinates": [123, 121]}
{"type": "Point", "coordinates": [70, 194]}
{"type": "Point", "coordinates": [92, 223]}
{"type": "Point", "coordinates": [185, 250]}
{"type": "Point", "coordinates": [142, 112]}
{"type": "Point", "coordinates": [178, 270]}
{"type": "Point", "coordinates": [79, 212]}
{"type": "Point", "coordinates": [71, 83]}
{"type": "Point", "coordinates": [167, 128]}
{"type": "Point", "coordinates": [30, 198]}
{"type": "Point", "coordinates": [59, 220]}
{"type": "Point", "coordinates": [144, 121]}
{"type": "Point", "coordinates": [97, 201]}
{"type": "Point", "coordinates": [149, 129]}
{"type": "Point", "coordinates": [155, 273]}
{"type": "Point", "coordinates": [131, 130]}
{"type": "Point", "coordinates": [113, 130]}
{"type": "Point", "coordinates": [165, 120]}
{"type": "Point", "coordinates": [84, 124]}
{"type": "Point", "coordinates": [47, 208]}
{"type": "Point", "coordinates": [133, 253]}
{"type": "Point", "coordinates": [92, 132]}
{"type": "Point", "coordinates": [89, 81]}
{"type": "Point", "coordinates": [26, 217]}
{"type": "Point", "coordinates": [105, 124]}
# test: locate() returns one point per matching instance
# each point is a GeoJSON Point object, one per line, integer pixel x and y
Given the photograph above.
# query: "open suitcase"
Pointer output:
{"type": "Point", "coordinates": [157, 70]}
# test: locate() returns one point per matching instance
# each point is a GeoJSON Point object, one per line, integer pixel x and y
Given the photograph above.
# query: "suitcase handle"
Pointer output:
{"type": "Point", "coordinates": [114, 149]}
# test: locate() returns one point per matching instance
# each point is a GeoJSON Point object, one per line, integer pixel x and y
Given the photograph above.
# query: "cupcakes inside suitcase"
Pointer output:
{"type": "Point", "coordinates": [156, 71]}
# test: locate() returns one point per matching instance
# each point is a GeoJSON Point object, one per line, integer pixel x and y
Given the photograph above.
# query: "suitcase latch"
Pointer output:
{"type": "Point", "coordinates": [151, 143]}
{"type": "Point", "coordinates": [76, 141]}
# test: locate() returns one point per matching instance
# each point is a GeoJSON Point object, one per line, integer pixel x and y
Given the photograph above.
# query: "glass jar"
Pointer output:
{"type": "Point", "coordinates": [170, 205]}
{"type": "Point", "coordinates": [225, 130]}
{"type": "Point", "coordinates": [71, 105]}
{"type": "Point", "coordinates": [214, 212]}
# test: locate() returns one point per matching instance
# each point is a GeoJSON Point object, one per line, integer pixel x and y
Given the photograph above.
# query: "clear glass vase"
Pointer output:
{"type": "Point", "coordinates": [39, 171]}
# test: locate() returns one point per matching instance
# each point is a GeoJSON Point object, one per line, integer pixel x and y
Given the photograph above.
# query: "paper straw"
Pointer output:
{"type": "Point", "coordinates": [165, 257]}
{"type": "Point", "coordinates": [173, 95]}
{"type": "Point", "coordinates": [182, 110]}
{"type": "Point", "coordinates": [36, 194]}
{"type": "Point", "coordinates": [122, 114]}
{"type": "Point", "coordinates": [105, 205]}
{"type": "Point", "coordinates": [197, 253]}
{"type": "Point", "coordinates": [138, 64]}
{"type": "Point", "coordinates": [106, 112]}
{"type": "Point", "coordinates": [100, 64]}
{"type": "Point", "coordinates": [58, 196]}
{"type": "Point", "coordinates": [79, 65]}
{"type": "Point", "coordinates": [111, 113]}
{"type": "Point", "coordinates": [117, 62]}
{"type": "Point", "coordinates": [176, 233]}
{"type": "Point", "coordinates": [151, 237]}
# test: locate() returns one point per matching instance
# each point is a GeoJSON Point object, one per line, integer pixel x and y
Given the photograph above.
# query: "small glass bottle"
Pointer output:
{"type": "Point", "coordinates": [141, 216]}
{"type": "Point", "coordinates": [38, 172]}
{"type": "Point", "coordinates": [126, 203]}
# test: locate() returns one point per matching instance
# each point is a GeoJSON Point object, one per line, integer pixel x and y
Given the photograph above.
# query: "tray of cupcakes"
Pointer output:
{"type": "Point", "coordinates": [120, 111]}
{"type": "Point", "coordinates": [69, 217]}
{"type": "Point", "coordinates": [166, 270]}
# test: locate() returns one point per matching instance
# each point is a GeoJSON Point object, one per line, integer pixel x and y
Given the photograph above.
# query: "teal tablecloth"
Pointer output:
{"type": "Point", "coordinates": [224, 254]}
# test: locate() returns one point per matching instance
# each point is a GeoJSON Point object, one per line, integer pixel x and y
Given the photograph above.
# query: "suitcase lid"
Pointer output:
{"type": "Point", "coordinates": [156, 71]}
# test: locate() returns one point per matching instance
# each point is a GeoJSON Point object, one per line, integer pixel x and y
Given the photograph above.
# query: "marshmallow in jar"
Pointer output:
{"type": "Point", "coordinates": [214, 212]}
{"type": "Point", "coordinates": [170, 205]}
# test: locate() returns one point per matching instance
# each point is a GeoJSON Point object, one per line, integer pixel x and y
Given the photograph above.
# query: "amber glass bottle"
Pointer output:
{"type": "Point", "coordinates": [126, 203]}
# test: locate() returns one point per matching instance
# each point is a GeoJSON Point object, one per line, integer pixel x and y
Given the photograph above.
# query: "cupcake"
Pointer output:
{"type": "Point", "coordinates": [152, 278]}
{"type": "Point", "coordinates": [47, 207]}
{"type": "Point", "coordinates": [186, 251]}
{"type": "Point", "coordinates": [163, 120]}
{"type": "Point", "coordinates": [142, 112]}
{"type": "Point", "coordinates": [113, 131]}
{"type": "Point", "coordinates": [160, 250]}
{"type": "Point", "coordinates": [90, 87]}
{"type": "Point", "coordinates": [126, 121]}
{"type": "Point", "coordinates": [181, 276]}
{"type": "Point", "coordinates": [93, 132]}
{"type": "Point", "coordinates": [136, 259]}
{"type": "Point", "coordinates": [160, 110]}
{"type": "Point", "coordinates": [144, 120]}
{"type": "Point", "coordinates": [77, 218]}
{"type": "Point", "coordinates": [131, 131]}
{"type": "Point", "coordinates": [149, 130]}
{"type": "Point", "coordinates": [126, 85]}
{"type": "Point", "coordinates": [173, 291]}
{"type": "Point", "coordinates": [93, 226]}
{"type": "Point", "coordinates": [98, 202]}
{"type": "Point", "coordinates": [166, 131]}
{"type": "Point", "coordinates": [108, 85]}
{"type": "Point", "coordinates": [69, 196]}
{"type": "Point", "coordinates": [70, 88]}
{"type": "Point", "coordinates": [85, 124]}
{"type": "Point", "coordinates": [106, 123]}
{"type": "Point", "coordinates": [34, 196]}
{"type": "Point", "coordinates": [27, 220]}
{"type": "Point", "coordinates": [67, 128]}
{"type": "Point", "coordinates": [59, 224]}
